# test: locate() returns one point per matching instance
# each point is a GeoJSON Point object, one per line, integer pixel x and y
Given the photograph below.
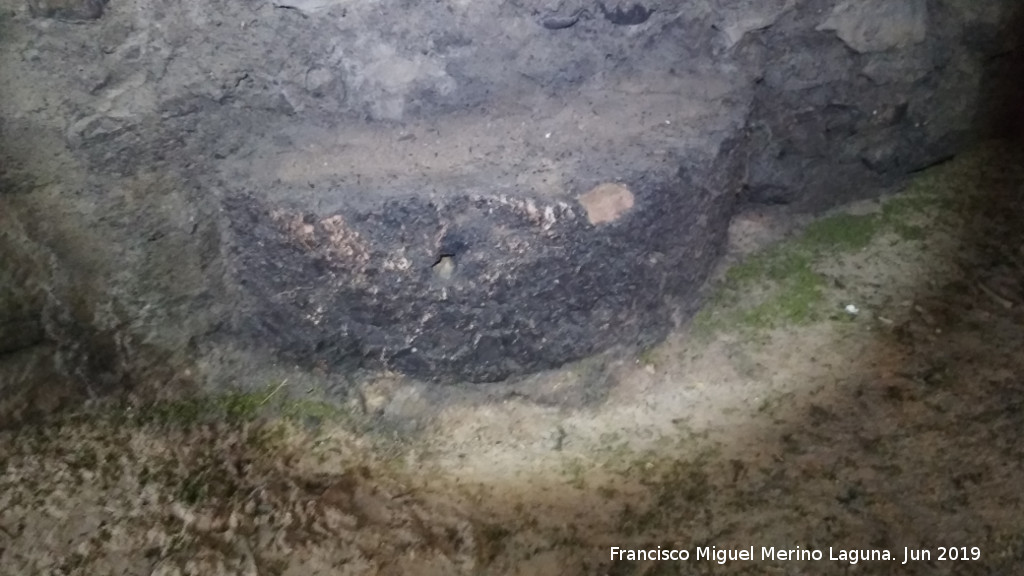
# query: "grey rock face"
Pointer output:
{"type": "Point", "coordinates": [454, 190]}
{"type": "Point", "coordinates": [879, 25]}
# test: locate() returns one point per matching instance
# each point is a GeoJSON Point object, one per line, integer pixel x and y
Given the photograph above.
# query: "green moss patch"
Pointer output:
{"type": "Point", "coordinates": [782, 284]}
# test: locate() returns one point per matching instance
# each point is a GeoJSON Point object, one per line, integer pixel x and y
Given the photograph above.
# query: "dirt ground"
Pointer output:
{"type": "Point", "coordinates": [855, 388]}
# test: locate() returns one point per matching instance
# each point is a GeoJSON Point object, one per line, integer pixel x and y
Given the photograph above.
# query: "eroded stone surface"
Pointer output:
{"type": "Point", "coordinates": [740, 18]}
{"type": "Point", "coordinates": [70, 10]}
{"type": "Point", "coordinates": [879, 25]}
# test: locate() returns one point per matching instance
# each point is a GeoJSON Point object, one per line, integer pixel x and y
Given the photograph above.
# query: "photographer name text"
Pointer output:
{"type": "Point", "coordinates": [906, 555]}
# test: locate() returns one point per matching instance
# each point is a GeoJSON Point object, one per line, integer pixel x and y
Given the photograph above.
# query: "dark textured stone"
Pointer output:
{"type": "Point", "coordinates": [20, 333]}
{"type": "Point", "coordinates": [526, 299]}
{"type": "Point", "coordinates": [635, 14]}
{"type": "Point", "coordinates": [67, 9]}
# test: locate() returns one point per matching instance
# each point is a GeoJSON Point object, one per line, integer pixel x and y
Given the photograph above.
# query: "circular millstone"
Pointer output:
{"type": "Point", "coordinates": [403, 257]}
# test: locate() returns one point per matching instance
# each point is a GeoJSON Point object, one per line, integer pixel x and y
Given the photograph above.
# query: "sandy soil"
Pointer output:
{"type": "Point", "coordinates": [855, 387]}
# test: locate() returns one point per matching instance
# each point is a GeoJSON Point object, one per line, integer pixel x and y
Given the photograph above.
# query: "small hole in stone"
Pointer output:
{"type": "Point", "coordinates": [444, 267]}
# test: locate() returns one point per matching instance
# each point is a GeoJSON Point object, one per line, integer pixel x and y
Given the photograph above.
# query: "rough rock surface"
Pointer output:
{"type": "Point", "coordinates": [454, 190]}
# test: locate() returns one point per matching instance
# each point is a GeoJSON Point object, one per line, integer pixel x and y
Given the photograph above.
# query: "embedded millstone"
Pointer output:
{"type": "Point", "coordinates": [478, 287]}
